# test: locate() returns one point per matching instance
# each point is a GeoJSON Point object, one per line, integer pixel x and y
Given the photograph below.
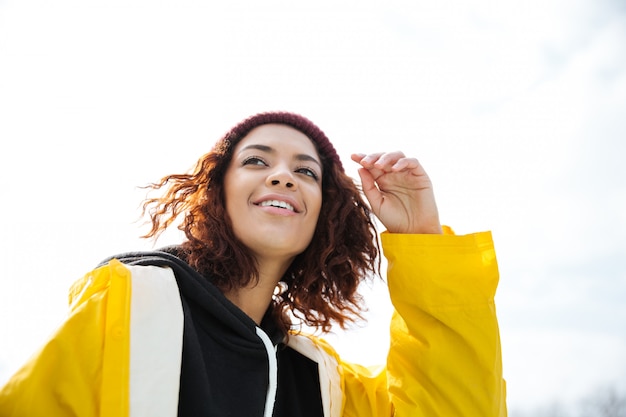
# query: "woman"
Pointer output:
{"type": "Point", "coordinates": [277, 234]}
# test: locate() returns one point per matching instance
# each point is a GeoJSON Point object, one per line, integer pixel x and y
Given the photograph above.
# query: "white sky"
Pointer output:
{"type": "Point", "coordinates": [517, 112]}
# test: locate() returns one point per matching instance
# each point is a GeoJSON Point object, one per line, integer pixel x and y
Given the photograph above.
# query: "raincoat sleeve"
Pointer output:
{"type": "Point", "coordinates": [445, 355]}
{"type": "Point", "coordinates": [66, 377]}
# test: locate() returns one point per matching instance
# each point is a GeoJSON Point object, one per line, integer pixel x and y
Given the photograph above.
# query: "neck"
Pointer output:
{"type": "Point", "coordinates": [255, 298]}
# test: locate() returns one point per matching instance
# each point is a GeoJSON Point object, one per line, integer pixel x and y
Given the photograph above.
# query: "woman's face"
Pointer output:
{"type": "Point", "coordinates": [273, 191]}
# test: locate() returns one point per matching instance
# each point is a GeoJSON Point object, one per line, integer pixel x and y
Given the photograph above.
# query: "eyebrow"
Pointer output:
{"type": "Point", "coordinates": [269, 149]}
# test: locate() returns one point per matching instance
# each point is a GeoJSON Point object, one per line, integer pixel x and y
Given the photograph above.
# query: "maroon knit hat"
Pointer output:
{"type": "Point", "coordinates": [298, 122]}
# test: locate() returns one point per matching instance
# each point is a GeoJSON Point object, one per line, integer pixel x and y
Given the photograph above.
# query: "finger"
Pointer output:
{"type": "Point", "coordinates": [357, 157]}
{"type": "Point", "coordinates": [368, 161]}
{"type": "Point", "coordinates": [406, 163]}
{"type": "Point", "coordinates": [387, 160]}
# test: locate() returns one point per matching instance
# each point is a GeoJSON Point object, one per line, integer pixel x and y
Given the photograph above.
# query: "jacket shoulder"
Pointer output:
{"type": "Point", "coordinates": [96, 281]}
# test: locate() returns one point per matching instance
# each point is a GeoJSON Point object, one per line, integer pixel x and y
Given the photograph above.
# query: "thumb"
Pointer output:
{"type": "Point", "coordinates": [370, 189]}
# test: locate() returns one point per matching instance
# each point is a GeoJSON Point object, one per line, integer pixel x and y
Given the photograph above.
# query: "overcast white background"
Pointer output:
{"type": "Point", "coordinates": [516, 109]}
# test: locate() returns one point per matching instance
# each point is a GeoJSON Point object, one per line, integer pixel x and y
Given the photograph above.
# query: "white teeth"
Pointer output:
{"type": "Point", "coordinates": [276, 203]}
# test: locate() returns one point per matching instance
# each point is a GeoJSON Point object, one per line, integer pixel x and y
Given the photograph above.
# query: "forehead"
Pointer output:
{"type": "Point", "coordinates": [279, 137]}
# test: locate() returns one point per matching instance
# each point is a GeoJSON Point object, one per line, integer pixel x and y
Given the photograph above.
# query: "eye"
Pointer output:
{"type": "Point", "coordinates": [254, 160]}
{"type": "Point", "coordinates": [308, 172]}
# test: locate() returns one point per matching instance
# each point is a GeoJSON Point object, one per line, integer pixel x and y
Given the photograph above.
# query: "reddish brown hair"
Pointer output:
{"type": "Point", "coordinates": [322, 281]}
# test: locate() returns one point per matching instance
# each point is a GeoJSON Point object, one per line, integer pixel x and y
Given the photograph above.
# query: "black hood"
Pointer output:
{"type": "Point", "coordinates": [198, 289]}
{"type": "Point", "coordinates": [225, 367]}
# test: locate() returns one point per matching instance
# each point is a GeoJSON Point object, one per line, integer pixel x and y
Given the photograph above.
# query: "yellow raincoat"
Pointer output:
{"type": "Point", "coordinates": [444, 359]}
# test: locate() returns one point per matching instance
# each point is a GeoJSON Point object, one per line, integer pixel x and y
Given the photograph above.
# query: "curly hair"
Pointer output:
{"type": "Point", "coordinates": [320, 286]}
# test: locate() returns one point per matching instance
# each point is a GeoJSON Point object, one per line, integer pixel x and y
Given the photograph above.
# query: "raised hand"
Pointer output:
{"type": "Point", "coordinates": [399, 191]}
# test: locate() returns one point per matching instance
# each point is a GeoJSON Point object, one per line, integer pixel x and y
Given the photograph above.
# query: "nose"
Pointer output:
{"type": "Point", "coordinates": [282, 177]}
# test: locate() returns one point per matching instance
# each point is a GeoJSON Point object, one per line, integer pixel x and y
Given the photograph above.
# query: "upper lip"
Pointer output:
{"type": "Point", "coordinates": [297, 206]}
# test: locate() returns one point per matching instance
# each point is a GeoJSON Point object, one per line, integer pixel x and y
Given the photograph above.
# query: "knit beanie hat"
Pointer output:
{"type": "Point", "coordinates": [298, 122]}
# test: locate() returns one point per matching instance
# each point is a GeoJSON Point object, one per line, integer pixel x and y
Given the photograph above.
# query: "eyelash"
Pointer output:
{"type": "Point", "coordinates": [253, 158]}
{"type": "Point", "coordinates": [302, 169]}
{"type": "Point", "coordinates": [309, 172]}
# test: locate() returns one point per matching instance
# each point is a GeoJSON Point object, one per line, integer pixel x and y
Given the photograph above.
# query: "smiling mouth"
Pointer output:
{"type": "Point", "coordinates": [277, 203]}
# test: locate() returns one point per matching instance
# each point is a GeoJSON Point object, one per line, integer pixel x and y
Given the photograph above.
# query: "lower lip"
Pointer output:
{"type": "Point", "coordinates": [277, 211]}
